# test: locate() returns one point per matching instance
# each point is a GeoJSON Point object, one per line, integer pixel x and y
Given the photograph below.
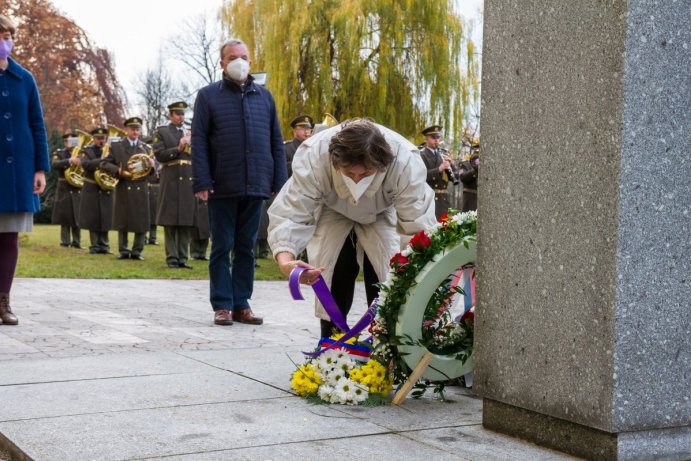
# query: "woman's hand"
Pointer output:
{"type": "Point", "coordinates": [39, 182]}
{"type": "Point", "coordinates": [287, 262]}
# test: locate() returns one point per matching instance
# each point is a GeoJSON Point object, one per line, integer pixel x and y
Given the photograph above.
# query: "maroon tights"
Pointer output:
{"type": "Point", "coordinates": [9, 252]}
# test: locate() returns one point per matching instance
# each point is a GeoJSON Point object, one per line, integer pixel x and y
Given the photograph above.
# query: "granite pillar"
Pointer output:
{"type": "Point", "coordinates": [583, 336]}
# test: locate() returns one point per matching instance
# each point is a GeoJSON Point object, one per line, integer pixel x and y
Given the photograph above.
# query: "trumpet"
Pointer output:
{"type": "Point", "coordinates": [104, 180]}
{"type": "Point", "coordinates": [74, 174]}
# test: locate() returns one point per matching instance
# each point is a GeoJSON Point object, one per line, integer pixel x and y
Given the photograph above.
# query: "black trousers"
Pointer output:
{"type": "Point", "coordinates": [343, 282]}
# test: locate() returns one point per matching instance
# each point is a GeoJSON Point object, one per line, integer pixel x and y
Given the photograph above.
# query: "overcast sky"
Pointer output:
{"type": "Point", "coordinates": [135, 30]}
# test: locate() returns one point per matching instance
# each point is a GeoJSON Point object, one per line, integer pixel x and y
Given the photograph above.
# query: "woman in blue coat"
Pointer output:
{"type": "Point", "coordinates": [23, 161]}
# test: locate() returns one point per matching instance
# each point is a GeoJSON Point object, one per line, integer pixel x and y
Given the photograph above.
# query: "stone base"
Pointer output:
{"type": "Point", "coordinates": [672, 444]}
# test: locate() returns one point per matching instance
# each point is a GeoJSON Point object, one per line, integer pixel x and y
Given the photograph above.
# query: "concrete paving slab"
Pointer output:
{"type": "Point", "coordinates": [191, 429]}
{"type": "Point", "coordinates": [48, 370]}
{"type": "Point", "coordinates": [383, 447]}
{"type": "Point", "coordinates": [480, 444]}
{"type": "Point", "coordinates": [129, 393]}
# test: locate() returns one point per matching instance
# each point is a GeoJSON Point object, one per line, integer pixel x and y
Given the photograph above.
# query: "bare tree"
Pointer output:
{"type": "Point", "coordinates": [199, 53]}
{"type": "Point", "coordinates": [155, 91]}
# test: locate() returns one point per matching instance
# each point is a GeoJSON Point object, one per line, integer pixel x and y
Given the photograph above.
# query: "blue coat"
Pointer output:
{"type": "Point", "coordinates": [23, 144]}
{"type": "Point", "coordinates": [237, 146]}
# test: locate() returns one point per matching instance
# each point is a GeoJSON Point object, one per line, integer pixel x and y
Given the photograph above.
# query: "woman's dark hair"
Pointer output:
{"type": "Point", "coordinates": [6, 25]}
{"type": "Point", "coordinates": [360, 143]}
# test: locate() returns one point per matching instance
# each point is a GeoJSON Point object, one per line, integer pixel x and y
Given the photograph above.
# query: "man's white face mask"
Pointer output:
{"type": "Point", "coordinates": [357, 188]}
{"type": "Point", "coordinates": [238, 69]}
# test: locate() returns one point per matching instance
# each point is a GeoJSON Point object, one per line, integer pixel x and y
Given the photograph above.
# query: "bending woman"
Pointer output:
{"type": "Point", "coordinates": [355, 189]}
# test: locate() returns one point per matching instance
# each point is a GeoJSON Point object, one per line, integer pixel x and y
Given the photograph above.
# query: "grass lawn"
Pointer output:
{"type": "Point", "coordinates": [40, 255]}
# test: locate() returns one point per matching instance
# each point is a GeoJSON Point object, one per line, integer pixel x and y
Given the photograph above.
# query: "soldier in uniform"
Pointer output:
{"type": "Point", "coordinates": [302, 126]}
{"type": "Point", "coordinates": [468, 173]}
{"type": "Point", "coordinates": [438, 168]}
{"type": "Point", "coordinates": [154, 182]}
{"type": "Point", "coordinates": [176, 210]}
{"type": "Point", "coordinates": [131, 210]}
{"type": "Point", "coordinates": [96, 209]}
{"type": "Point", "coordinates": [67, 197]}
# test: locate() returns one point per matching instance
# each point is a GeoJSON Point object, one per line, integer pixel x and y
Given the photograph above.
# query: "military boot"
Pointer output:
{"type": "Point", "coordinates": [6, 315]}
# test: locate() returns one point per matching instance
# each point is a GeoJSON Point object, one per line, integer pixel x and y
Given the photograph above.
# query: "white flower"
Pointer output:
{"type": "Point", "coordinates": [407, 251]}
{"type": "Point", "coordinates": [325, 392]}
{"type": "Point", "coordinates": [433, 229]}
{"type": "Point", "coordinates": [348, 392]}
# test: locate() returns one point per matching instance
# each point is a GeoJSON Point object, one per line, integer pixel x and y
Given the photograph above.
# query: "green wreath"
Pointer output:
{"type": "Point", "coordinates": [412, 310]}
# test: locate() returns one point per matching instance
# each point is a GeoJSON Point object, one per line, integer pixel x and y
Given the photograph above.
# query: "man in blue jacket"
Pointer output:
{"type": "Point", "coordinates": [238, 163]}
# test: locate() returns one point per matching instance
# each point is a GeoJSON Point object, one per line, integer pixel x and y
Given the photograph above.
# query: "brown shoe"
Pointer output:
{"type": "Point", "coordinates": [222, 317]}
{"type": "Point", "coordinates": [6, 315]}
{"type": "Point", "coordinates": [246, 316]}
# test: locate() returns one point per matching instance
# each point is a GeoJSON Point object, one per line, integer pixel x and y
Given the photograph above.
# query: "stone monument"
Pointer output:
{"type": "Point", "coordinates": [583, 336]}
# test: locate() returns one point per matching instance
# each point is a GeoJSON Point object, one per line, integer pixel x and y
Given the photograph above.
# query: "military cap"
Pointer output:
{"type": "Point", "coordinates": [434, 131]}
{"type": "Point", "coordinates": [69, 134]}
{"type": "Point", "coordinates": [179, 105]}
{"type": "Point", "coordinates": [99, 131]}
{"type": "Point", "coordinates": [302, 120]}
{"type": "Point", "coordinates": [134, 122]}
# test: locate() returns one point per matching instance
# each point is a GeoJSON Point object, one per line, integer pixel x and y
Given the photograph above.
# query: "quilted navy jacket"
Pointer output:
{"type": "Point", "coordinates": [23, 145]}
{"type": "Point", "coordinates": [237, 146]}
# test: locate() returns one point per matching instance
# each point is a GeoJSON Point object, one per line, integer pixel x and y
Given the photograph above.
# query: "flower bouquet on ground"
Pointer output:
{"type": "Point", "coordinates": [344, 374]}
{"type": "Point", "coordinates": [443, 332]}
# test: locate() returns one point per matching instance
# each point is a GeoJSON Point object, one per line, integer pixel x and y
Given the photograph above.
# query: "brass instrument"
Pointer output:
{"type": "Point", "coordinates": [328, 122]}
{"type": "Point", "coordinates": [139, 166]}
{"type": "Point", "coordinates": [74, 174]}
{"type": "Point", "coordinates": [104, 180]}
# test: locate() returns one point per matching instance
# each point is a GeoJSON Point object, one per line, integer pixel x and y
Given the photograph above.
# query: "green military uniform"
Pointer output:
{"type": "Point", "coordinates": [437, 180]}
{"type": "Point", "coordinates": [67, 199]}
{"type": "Point", "coordinates": [468, 173]}
{"type": "Point", "coordinates": [96, 208]}
{"type": "Point", "coordinates": [131, 210]}
{"type": "Point", "coordinates": [177, 205]}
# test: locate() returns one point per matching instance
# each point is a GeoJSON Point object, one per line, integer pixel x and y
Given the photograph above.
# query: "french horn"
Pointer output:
{"type": "Point", "coordinates": [139, 166]}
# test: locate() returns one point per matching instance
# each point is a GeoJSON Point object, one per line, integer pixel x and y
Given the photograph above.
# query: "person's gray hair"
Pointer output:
{"type": "Point", "coordinates": [232, 42]}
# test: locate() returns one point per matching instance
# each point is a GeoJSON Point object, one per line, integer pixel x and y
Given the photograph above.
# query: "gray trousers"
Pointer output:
{"type": "Point", "coordinates": [99, 241]}
{"type": "Point", "coordinates": [177, 240]}
{"type": "Point", "coordinates": [198, 248]}
{"type": "Point", "coordinates": [65, 236]}
{"type": "Point", "coordinates": [137, 244]}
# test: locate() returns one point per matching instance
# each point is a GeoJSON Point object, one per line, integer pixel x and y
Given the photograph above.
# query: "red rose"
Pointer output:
{"type": "Point", "coordinates": [443, 218]}
{"type": "Point", "coordinates": [468, 317]}
{"type": "Point", "coordinates": [420, 241]}
{"type": "Point", "coordinates": [398, 261]}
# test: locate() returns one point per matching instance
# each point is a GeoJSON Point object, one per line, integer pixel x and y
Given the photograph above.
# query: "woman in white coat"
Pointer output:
{"type": "Point", "coordinates": [356, 188]}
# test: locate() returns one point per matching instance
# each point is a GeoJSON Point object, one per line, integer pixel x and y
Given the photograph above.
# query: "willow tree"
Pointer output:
{"type": "Point", "coordinates": [396, 61]}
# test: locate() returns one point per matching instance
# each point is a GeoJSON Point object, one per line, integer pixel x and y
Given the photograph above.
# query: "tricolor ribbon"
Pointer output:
{"type": "Point", "coordinates": [324, 296]}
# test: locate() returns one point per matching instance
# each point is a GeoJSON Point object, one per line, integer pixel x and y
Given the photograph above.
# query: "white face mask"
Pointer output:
{"type": "Point", "coordinates": [357, 188]}
{"type": "Point", "coordinates": [238, 69]}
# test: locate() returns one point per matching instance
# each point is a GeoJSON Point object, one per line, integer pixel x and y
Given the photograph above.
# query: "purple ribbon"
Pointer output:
{"type": "Point", "coordinates": [324, 296]}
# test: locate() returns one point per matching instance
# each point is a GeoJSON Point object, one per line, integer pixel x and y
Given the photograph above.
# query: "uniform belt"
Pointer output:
{"type": "Point", "coordinates": [154, 184]}
{"type": "Point", "coordinates": [178, 162]}
{"type": "Point", "coordinates": [62, 179]}
{"type": "Point", "coordinates": [441, 191]}
{"type": "Point", "coordinates": [91, 181]}
{"type": "Point", "coordinates": [474, 191]}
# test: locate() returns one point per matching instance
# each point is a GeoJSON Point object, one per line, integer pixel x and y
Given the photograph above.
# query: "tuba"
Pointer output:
{"type": "Point", "coordinates": [104, 180]}
{"type": "Point", "coordinates": [74, 174]}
